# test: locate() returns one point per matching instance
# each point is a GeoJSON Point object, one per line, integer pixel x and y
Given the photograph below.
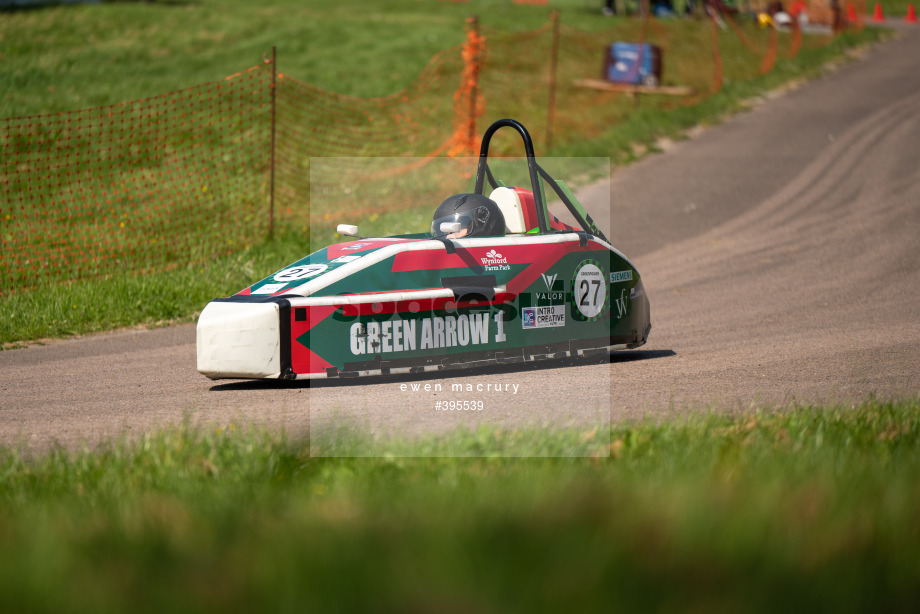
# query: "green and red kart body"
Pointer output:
{"type": "Point", "coordinates": [413, 303]}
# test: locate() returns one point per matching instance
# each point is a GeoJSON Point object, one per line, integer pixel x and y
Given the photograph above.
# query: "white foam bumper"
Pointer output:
{"type": "Point", "coordinates": [239, 340]}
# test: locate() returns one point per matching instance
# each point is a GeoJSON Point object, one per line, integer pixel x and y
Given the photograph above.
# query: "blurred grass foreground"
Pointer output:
{"type": "Point", "coordinates": [807, 509]}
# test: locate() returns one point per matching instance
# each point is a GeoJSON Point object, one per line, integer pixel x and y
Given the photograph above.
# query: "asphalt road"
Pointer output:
{"type": "Point", "coordinates": [780, 251]}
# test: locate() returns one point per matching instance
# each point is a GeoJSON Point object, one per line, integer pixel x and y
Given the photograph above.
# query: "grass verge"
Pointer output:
{"type": "Point", "coordinates": [807, 509]}
{"type": "Point", "coordinates": [156, 299]}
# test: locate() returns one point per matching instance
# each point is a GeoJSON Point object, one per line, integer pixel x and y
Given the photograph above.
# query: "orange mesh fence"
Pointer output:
{"type": "Point", "coordinates": [766, 51]}
{"type": "Point", "coordinates": [189, 176]}
{"type": "Point", "coordinates": [718, 75]}
{"type": "Point", "coordinates": [796, 43]}
{"type": "Point", "coordinates": [741, 35]}
{"type": "Point", "coordinates": [429, 118]}
{"type": "Point", "coordinates": [135, 187]}
{"type": "Point", "coordinates": [769, 57]}
{"type": "Point", "coordinates": [468, 99]}
{"type": "Point", "coordinates": [186, 177]}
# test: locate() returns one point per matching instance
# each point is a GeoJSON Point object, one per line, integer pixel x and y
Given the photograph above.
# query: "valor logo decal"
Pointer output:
{"type": "Point", "coordinates": [555, 294]}
{"type": "Point", "coordinates": [589, 290]}
{"type": "Point", "coordinates": [300, 272]}
{"type": "Point", "coordinates": [550, 309]}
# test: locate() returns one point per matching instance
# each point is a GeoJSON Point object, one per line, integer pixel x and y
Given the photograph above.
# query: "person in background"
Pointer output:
{"type": "Point", "coordinates": [610, 8]}
{"type": "Point", "coordinates": [663, 9]}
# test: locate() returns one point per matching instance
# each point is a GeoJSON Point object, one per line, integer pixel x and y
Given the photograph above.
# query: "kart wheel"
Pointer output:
{"type": "Point", "coordinates": [650, 81]}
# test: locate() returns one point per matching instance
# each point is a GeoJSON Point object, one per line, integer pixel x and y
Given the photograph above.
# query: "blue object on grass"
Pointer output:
{"type": "Point", "coordinates": [633, 63]}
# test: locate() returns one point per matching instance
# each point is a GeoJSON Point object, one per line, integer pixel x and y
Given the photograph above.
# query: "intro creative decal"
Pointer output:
{"type": "Point", "coordinates": [543, 317]}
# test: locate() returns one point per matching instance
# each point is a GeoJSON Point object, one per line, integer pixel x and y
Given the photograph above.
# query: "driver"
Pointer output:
{"type": "Point", "coordinates": [469, 215]}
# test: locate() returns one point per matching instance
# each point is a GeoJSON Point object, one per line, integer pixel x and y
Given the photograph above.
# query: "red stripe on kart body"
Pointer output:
{"type": "Point", "coordinates": [538, 258]}
{"type": "Point", "coordinates": [304, 360]}
{"type": "Point", "coordinates": [428, 260]}
{"type": "Point", "coordinates": [411, 306]}
{"type": "Point", "coordinates": [437, 259]}
{"type": "Point", "coordinates": [528, 208]}
{"type": "Point", "coordinates": [315, 315]}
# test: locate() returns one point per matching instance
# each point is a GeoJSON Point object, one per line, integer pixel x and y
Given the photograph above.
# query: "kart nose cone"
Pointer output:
{"type": "Point", "coordinates": [239, 340]}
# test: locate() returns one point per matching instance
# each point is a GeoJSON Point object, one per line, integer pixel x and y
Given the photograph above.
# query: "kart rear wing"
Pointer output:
{"type": "Point", "coordinates": [483, 172]}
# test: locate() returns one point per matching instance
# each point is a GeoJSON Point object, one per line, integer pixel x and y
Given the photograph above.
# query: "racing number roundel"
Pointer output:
{"type": "Point", "coordinates": [300, 272]}
{"type": "Point", "coordinates": [589, 289]}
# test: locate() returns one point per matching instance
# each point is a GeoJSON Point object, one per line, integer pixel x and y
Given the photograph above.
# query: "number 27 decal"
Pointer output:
{"type": "Point", "coordinates": [590, 289]}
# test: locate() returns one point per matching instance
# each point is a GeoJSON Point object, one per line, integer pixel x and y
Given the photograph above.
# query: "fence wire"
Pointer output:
{"type": "Point", "coordinates": [136, 187]}
{"type": "Point", "coordinates": [189, 176]}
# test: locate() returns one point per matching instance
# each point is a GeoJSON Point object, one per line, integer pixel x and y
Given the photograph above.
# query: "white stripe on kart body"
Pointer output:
{"type": "Point", "coordinates": [377, 297]}
{"type": "Point", "coordinates": [390, 251]}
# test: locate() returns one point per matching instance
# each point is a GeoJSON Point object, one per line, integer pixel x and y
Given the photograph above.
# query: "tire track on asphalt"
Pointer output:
{"type": "Point", "coordinates": [817, 285]}
{"type": "Point", "coordinates": [823, 195]}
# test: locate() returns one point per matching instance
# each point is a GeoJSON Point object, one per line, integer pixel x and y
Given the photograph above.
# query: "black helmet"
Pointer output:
{"type": "Point", "coordinates": [471, 215]}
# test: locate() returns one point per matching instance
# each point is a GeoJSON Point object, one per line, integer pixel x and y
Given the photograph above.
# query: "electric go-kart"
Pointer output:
{"type": "Point", "coordinates": [497, 280]}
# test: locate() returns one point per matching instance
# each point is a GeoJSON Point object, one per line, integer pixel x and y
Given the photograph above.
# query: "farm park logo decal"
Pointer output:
{"type": "Point", "coordinates": [493, 261]}
{"type": "Point", "coordinates": [493, 257]}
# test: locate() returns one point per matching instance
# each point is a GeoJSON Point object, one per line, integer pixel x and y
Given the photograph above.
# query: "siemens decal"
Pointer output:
{"type": "Point", "coordinates": [399, 335]}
